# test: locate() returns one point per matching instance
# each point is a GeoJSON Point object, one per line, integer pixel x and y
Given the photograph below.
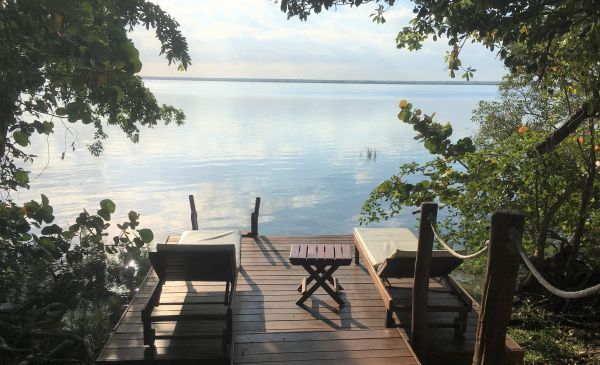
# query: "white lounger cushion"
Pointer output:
{"type": "Point", "coordinates": [199, 241]}
{"type": "Point", "coordinates": [382, 243]}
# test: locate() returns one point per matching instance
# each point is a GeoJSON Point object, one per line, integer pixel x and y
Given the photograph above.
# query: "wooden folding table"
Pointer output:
{"type": "Point", "coordinates": [320, 261]}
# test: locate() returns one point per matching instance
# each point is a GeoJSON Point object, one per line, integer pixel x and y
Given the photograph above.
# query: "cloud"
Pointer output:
{"type": "Point", "coordinates": [253, 38]}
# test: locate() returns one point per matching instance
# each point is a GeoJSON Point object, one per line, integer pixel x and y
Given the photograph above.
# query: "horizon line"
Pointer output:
{"type": "Point", "coordinates": [320, 81]}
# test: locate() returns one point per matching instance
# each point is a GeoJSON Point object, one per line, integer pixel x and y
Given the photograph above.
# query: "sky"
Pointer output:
{"type": "Point", "coordinates": [254, 39]}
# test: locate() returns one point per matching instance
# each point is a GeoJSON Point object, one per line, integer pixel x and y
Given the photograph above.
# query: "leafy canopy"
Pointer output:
{"type": "Point", "coordinates": [70, 61]}
{"type": "Point", "coordinates": [73, 60]}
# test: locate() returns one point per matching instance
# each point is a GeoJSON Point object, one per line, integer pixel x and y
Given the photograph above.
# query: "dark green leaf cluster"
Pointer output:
{"type": "Point", "coordinates": [74, 268]}
{"type": "Point", "coordinates": [31, 226]}
{"type": "Point", "coordinates": [303, 8]}
{"type": "Point", "coordinates": [73, 60]}
{"type": "Point", "coordinates": [67, 61]}
{"type": "Point", "coordinates": [538, 37]}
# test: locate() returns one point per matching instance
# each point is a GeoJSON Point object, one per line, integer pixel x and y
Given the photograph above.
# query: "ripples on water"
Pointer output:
{"type": "Point", "coordinates": [304, 148]}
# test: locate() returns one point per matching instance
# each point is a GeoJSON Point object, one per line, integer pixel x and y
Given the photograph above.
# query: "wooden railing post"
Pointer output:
{"type": "Point", "coordinates": [498, 288]}
{"type": "Point", "coordinates": [421, 281]}
{"type": "Point", "coordinates": [194, 215]}
{"type": "Point", "coordinates": [254, 218]}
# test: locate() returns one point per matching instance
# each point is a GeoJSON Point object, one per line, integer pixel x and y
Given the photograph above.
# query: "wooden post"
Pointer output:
{"type": "Point", "coordinates": [254, 218]}
{"type": "Point", "coordinates": [194, 215]}
{"type": "Point", "coordinates": [498, 288]}
{"type": "Point", "coordinates": [421, 281]}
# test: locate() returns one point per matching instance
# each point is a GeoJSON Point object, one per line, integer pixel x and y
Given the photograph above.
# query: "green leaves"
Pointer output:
{"type": "Point", "coordinates": [501, 170]}
{"type": "Point", "coordinates": [131, 56]}
{"type": "Point", "coordinates": [47, 243]}
{"type": "Point", "coordinates": [468, 74]}
{"type": "Point", "coordinates": [52, 229]}
{"type": "Point", "coordinates": [117, 92]}
{"type": "Point", "coordinates": [410, 40]}
{"type": "Point", "coordinates": [87, 7]}
{"type": "Point", "coordinates": [133, 217]}
{"type": "Point", "coordinates": [378, 15]}
{"type": "Point", "coordinates": [435, 136]}
{"type": "Point", "coordinates": [21, 177]}
{"type": "Point", "coordinates": [78, 110]}
{"type": "Point", "coordinates": [21, 138]}
{"type": "Point", "coordinates": [44, 127]}
{"type": "Point", "coordinates": [68, 234]}
{"type": "Point", "coordinates": [91, 230]}
{"type": "Point", "coordinates": [73, 62]}
{"type": "Point", "coordinates": [146, 235]}
{"type": "Point", "coordinates": [40, 213]}
{"type": "Point", "coordinates": [140, 237]}
{"type": "Point", "coordinates": [104, 214]}
{"type": "Point", "coordinates": [107, 207]}
{"type": "Point", "coordinates": [405, 111]}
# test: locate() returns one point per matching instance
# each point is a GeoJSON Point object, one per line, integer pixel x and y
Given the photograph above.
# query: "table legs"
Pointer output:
{"type": "Point", "coordinates": [319, 270]}
{"type": "Point", "coordinates": [322, 275]}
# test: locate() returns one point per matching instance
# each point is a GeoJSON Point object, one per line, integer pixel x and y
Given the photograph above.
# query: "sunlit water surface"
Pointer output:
{"type": "Point", "coordinates": [303, 148]}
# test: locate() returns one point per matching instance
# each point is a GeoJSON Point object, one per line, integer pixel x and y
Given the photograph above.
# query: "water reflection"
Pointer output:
{"type": "Point", "coordinates": [369, 154]}
{"type": "Point", "coordinates": [301, 147]}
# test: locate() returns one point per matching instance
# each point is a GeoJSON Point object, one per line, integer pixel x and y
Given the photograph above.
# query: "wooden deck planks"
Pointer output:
{"type": "Point", "coordinates": [269, 327]}
{"type": "Point", "coordinates": [318, 332]}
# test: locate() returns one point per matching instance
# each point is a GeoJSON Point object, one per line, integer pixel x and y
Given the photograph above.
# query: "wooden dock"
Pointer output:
{"type": "Point", "coordinates": [270, 328]}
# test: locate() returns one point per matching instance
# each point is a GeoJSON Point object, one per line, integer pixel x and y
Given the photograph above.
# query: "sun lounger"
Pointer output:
{"type": "Point", "coordinates": [390, 253]}
{"type": "Point", "coordinates": [198, 256]}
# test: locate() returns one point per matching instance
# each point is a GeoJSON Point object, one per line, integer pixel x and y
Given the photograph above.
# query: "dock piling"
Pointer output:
{"type": "Point", "coordinates": [419, 320]}
{"type": "Point", "coordinates": [498, 288]}
{"type": "Point", "coordinates": [254, 218]}
{"type": "Point", "coordinates": [194, 214]}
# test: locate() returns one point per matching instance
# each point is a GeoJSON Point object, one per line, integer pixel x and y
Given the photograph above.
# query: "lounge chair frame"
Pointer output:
{"type": "Point", "coordinates": [185, 266]}
{"type": "Point", "coordinates": [404, 268]}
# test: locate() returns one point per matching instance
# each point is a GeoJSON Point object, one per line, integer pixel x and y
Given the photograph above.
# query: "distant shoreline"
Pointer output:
{"type": "Point", "coordinates": [314, 81]}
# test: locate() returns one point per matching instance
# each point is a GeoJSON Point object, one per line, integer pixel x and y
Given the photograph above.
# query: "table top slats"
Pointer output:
{"type": "Point", "coordinates": [342, 252]}
{"type": "Point", "coordinates": [303, 251]}
{"type": "Point", "coordinates": [330, 252]}
{"type": "Point", "coordinates": [294, 251]}
{"type": "Point", "coordinates": [347, 252]}
{"type": "Point", "coordinates": [320, 254]}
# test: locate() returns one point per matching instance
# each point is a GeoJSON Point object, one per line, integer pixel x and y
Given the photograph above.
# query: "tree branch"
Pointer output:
{"type": "Point", "coordinates": [564, 130]}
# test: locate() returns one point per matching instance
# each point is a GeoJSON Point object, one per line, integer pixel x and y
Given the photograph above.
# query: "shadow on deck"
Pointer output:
{"type": "Point", "coordinates": [270, 328]}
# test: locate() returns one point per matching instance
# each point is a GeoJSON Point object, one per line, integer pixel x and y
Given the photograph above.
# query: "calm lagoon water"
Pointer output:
{"type": "Point", "coordinates": [301, 147]}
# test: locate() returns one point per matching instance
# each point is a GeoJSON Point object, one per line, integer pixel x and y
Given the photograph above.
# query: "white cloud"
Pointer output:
{"type": "Point", "coordinates": [253, 38]}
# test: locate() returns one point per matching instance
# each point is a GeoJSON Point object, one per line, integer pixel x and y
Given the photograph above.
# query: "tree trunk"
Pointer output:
{"type": "Point", "coordinates": [540, 246]}
{"type": "Point", "coordinates": [4, 122]}
{"type": "Point", "coordinates": [7, 117]}
{"type": "Point", "coordinates": [586, 196]}
{"type": "Point", "coordinates": [3, 134]}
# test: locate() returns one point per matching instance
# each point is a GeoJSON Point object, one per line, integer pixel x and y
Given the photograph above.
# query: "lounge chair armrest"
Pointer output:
{"type": "Point", "coordinates": [381, 269]}
{"type": "Point", "coordinates": [232, 292]}
{"type": "Point", "coordinates": [404, 267]}
{"type": "Point", "coordinates": [152, 300]}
